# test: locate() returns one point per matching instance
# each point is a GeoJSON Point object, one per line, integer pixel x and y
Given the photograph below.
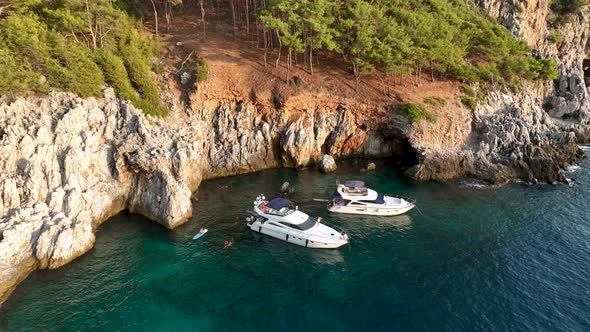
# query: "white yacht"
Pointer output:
{"type": "Point", "coordinates": [353, 197]}
{"type": "Point", "coordinates": [280, 219]}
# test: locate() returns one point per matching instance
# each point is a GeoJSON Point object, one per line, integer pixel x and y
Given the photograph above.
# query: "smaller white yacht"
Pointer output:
{"type": "Point", "coordinates": [353, 197]}
{"type": "Point", "coordinates": [280, 219]}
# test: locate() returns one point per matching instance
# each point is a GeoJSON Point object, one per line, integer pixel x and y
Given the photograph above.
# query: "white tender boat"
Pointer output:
{"type": "Point", "coordinates": [280, 219]}
{"type": "Point", "coordinates": [353, 197]}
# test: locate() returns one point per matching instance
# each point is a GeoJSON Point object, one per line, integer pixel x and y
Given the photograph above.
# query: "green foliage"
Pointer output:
{"type": "Point", "coordinates": [471, 103]}
{"type": "Point", "coordinates": [416, 112]}
{"type": "Point", "coordinates": [455, 38]}
{"type": "Point", "coordinates": [201, 70]}
{"type": "Point", "coordinates": [76, 46]}
{"type": "Point", "coordinates": [15, 77]}
{"type": "Point", "coordinates": [139, 71]}
{"type": "Point", "coordinates": [565, 7]}
{"type": "Point", "coordinates": [42, 51]}
{"type": "Point", "coordinates": [435, 101]}
{"type": "Point", "coordinates": [555, 37]}
{"type": "Point", "coordinates": [115, 74]}
{"type": "Point", "coordinates": [469, 90]}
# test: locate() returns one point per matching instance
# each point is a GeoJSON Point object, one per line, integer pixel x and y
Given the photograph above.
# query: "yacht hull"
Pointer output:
{"type": "Point", "coordinates": [370, 210]}
{"type": "Point", "coordinates": [297, 239]}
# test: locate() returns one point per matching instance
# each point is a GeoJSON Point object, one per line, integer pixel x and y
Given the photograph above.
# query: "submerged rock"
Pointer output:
{"type": "Point", "coordinates": [371, 167]}
{"type": "Point", "coordinates": [327, 164]}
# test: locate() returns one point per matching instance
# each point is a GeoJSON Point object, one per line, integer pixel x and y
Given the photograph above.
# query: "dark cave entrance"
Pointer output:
{"type": "Point", "coordinates": [404, 154]}
{"type": "Point", "coordinates": [400, 153]}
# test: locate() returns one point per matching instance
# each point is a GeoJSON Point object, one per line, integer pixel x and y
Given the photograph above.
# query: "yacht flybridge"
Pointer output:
{"type": "Point", "coordinates": [354, 197]}
{"type": "Point", "coordinates": [280, 219]}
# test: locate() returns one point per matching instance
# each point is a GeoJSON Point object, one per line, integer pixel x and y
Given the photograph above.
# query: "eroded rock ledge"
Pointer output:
{"type": "Point", "coordinates": [68, 164]}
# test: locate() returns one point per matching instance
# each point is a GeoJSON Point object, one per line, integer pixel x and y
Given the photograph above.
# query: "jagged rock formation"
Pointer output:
{"type": "Point", "coordinates": [68, 164]}
{"type": "Point", "coordinates": [568, 97]}
{"type": "Point", "coordinates": [511, 139]}
{"type": "Point", "coordinates": [529, 135]}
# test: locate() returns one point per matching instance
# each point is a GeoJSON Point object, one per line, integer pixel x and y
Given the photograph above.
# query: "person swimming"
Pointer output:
{"type": "Point", "coordinates": [202, 230]}
{"type": "Point", "coordinates": [227, 244]}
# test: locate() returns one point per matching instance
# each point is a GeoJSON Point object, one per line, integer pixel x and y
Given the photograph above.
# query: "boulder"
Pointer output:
{"type": "Point", "coordinates": [185, 78]}
{"type": "Point", "coordinates": [327, 164]}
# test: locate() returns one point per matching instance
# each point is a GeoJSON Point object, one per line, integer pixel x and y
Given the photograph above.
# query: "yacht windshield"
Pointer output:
{"type": "Point", "coordinates": [309, 223]}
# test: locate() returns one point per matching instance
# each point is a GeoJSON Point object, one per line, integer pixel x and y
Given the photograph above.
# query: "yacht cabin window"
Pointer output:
{"type": "Point", "coordinates": [309, 223]}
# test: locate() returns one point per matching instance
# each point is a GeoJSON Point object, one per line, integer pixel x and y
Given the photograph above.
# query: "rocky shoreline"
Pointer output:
{"type": "Point", "coordinates": [68, 164]}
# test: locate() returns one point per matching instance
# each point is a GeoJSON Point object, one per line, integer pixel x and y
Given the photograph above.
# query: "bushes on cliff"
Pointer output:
{"type": "Point", "coordinates": [13, 74]}
{"type": "Point", "coordinates": [416, 112]}
{"type": "Point", "coordinates": [115, 73]}
{"type": "Point", "coordinates": [42, 51]}
{"type": "Point", "coordinates": [201, 70]}
{"type": "Point", "coordinates": [565, 7]}
{"type": "Point", "coordinates": [469, 102]}
{"type": "Point", "coordinates": [555, 37]}
{"type": "Point", "coordinates": [76, 46]}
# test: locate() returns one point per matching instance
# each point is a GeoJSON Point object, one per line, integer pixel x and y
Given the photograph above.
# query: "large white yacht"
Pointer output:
{"type": "Point", "coordinates": [353, 197]}
{"type": "Point", "coordinates": [280, 219]}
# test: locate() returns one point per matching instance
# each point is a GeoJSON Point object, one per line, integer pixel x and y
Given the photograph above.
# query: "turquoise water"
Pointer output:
{"type": "Point", "coordinates": [510, 258]}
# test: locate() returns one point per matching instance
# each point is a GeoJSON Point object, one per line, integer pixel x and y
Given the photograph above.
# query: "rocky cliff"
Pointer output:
{"type": "Point", "coordinates": [68, 164]}
{"type": "Point", "coordinates": [529, 135]}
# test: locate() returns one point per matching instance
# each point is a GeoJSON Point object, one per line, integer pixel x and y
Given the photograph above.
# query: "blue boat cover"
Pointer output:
{"type": "Point", "coordinates": [354, 184]}
{"type": "Point", "coordinates": [279, 203]}
{"type": "Point", "coordinates": [380, 199]}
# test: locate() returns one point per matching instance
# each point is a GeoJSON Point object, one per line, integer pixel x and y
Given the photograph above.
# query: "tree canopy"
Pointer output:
{"type": "Point", "coordinates": [77, 46]}
{"type": "Point", "coordinates": [455, 38]}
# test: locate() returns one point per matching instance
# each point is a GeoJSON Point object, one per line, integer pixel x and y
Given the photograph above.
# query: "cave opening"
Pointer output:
{"type": "Point", "coordinates": [586, 68]}
{"type": "Point", "coordinates": [403, 154]}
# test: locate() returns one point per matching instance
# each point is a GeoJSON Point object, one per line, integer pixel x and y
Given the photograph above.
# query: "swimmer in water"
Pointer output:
{"type": "Point", "coordinates": [227, 244]}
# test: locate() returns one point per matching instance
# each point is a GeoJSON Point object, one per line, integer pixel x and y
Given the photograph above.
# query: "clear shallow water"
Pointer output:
{"type": "Point", "coordinates": [509, 258]}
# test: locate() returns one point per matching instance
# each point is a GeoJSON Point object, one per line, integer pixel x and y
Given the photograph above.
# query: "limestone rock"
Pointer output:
{"type": "Point", "coordinates": [185, 78]}
{"type": "Point", "coordinates": [297, 143]}
{"type": "Point", "coordinates": [327, 164]}
{"type": "Point", "coordinates": [83, 161]}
